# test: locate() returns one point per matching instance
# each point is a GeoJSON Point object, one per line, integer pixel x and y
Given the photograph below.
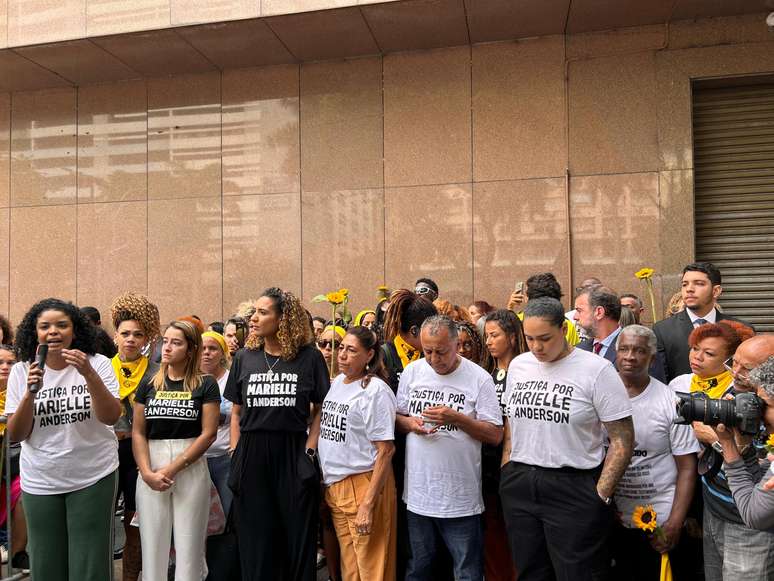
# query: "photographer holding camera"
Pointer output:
{"type": "Point", "coordinates": [732, 550]}
{"type": "Point", "coordinates": [746, 479]}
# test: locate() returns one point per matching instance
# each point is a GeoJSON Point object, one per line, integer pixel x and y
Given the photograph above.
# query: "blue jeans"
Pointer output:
{"type": "Point", "coordinates": [219, 469]}
{"type": "Point", "coordinates": [463, 537]}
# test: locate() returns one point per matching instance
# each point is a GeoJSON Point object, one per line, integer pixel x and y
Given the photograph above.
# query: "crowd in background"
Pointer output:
{"type": "Point", "coordinates": [418, 440]}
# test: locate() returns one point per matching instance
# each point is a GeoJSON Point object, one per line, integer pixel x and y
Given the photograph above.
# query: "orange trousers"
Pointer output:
{"type": "Point", "coordinates": [364, 557]}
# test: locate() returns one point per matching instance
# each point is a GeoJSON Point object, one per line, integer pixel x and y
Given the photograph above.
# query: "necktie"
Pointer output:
{"type": "Point", "coordinates": [699, 322]}
{"type": "Point", "coordinates": [597, 347]}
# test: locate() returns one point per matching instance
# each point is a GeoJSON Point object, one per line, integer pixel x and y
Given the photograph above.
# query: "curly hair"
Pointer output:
{"type": "Point", "coordinates": [454, 312]}
{"type": "Point", "coordinates": [475, 337]}
{"type": "Point", "coordinates": [84, 337]}
{"type": "Point", "coordinates": [245, 309]}
{"type": "Point", "coordinates": [136, 307]}
{"type": "Point", "coordinates": [732, 333]}
{"type": "Point", "coordinates": [6, 330]}
{"type": "Point", "coordinates": [294, 330]}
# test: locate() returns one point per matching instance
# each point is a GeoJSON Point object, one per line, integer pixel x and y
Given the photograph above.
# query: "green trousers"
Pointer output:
{"type": "Point", "coordinates": [71, 534]}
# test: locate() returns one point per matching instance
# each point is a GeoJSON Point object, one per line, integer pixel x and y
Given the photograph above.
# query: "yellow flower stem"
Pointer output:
{"type": "Point", "coordinates": [649, 283]}
{"type": "Point", "coordinates": [333, 342]}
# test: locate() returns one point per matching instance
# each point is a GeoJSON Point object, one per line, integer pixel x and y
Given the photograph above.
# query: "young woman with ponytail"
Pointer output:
{"type": "Point", "coordinates": [355, 448]}
{"type": "Point", "coordinates": [405, 315]}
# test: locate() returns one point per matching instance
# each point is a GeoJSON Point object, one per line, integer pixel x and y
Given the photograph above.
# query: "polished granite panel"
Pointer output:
{"type": "Point", "coordinates": [260, 131]}
{"type": "Point", "coordinates": [5, 149]}
{"type": "Point", "coordinates": [261, 246]}
{"type": "Point", "coordinates": [5, 225]}
{"type": "Point", "coordinates": [613, 114]}
{"type": "Point", "coordinates": [185, 263]}
{"type": "Point", "coordinates": [39, 21]}
{"type": "Point", "coordinates": [43, 148]}
{"type": "Point", "coordinates": [519, 110]}
{"type": "Point", "coordinates": [490, 20]}
{"type": "Point", "coordinates": [112, 252]}
{"type": "Point", "coordinates": [609, 42]}
{"type": "Point", "coordinates": [184, 137]}
{"type": "Point", "coordinates": [113, 143]}
{"type": "Point", "coordinates": [200, 11]}
{"type": "Point", "coordinates": [428, 232]}
{"type": "Point", "coordinates": [427, 137]}
{"type": "Point", "coordinates": [43, 255]}
{"type": "Point", "coordinates": [616, 229]}
{"type": "Point", "coordinates": [341, 125]}
{"type": "Point", "coordinates": [105, 17]}
{"type": "Point", "coordinates": [676, 226]}
{"type": "Point", "coordinates": [519, 229]}
{"type": "Point", "coordinates": [343, 246]}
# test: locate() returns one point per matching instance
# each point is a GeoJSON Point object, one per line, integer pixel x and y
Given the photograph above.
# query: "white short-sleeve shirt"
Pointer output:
{"type": "Point", "coordinates": [68, 448]}
{"type": "Point", "coordinates": [555, 410]}
{"type": "Point", "coordinates": [443, 469]}
{"type": "Point", "coordinates": [352, 419]}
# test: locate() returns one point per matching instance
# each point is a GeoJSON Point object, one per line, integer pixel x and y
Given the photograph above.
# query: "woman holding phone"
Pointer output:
{"type": "Point", "coordinates": [63, 413]}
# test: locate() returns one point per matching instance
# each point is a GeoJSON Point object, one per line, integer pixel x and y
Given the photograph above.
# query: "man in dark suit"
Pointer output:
{"type": "Point", "coordinates": [700, 289]}
{"type": "Point", "coordinates": [597, 310]}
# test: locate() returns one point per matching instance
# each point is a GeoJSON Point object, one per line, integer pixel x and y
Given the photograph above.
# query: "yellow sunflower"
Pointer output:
{"type": "Point", "coordinates": [644, 518]}
{"type": "Point", "coordinates": [344, 291]}
{"type": "Point", "coordinates": [769, 445]}
{"type": "Point", "coordinates": [336, 297]}
{"type": "Point", "coordinates": [645, 273]}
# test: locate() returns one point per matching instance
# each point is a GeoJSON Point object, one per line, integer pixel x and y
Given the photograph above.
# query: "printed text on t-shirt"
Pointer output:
{"type": "Point", "coordinates": [422, 397]}
{"type": "Point", "coordinates": [272, 389]}
{"type": "Point", "coordinates": [333, 421]}
{"type": "Point", "coordinates": [60, 405]}
{"type": "Point", "coordinates": [541, 401]}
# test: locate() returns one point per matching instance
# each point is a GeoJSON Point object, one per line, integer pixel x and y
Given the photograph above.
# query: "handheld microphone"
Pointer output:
{"type": "Point", "coordinates": [40, 359]}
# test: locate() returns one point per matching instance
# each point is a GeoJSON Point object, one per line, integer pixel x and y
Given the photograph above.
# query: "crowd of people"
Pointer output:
{"type": "Point", "coordinates": [420, 440]}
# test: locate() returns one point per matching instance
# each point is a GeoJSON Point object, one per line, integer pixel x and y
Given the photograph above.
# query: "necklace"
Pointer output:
{"type": "Point", "coordinates": [272, 366]}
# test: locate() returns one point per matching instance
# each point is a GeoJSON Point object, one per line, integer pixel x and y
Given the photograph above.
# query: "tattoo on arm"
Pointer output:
{"type": "Point", "coordinates": [621, 434]}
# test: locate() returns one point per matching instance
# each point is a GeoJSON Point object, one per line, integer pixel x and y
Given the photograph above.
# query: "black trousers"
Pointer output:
{"type": "Point", "coordinates": [275, 509]}
{"type": "Point", "coordinates": [557, 525]}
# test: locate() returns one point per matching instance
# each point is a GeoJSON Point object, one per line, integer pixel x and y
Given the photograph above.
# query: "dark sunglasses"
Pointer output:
{"type": "Point", "coordinates": [325, 344]}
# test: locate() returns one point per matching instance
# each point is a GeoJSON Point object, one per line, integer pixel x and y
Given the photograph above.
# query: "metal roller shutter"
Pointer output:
{"type": "Point", "coordinates": [733, 146]}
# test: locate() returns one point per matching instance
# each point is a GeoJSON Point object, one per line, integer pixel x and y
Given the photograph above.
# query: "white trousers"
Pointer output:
{"type": "Point", "coordinates": [183, 508]}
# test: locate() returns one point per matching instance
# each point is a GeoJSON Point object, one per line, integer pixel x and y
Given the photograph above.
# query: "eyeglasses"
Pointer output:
{"type": "Point", "coordinates": [325, 344]}
{"type": "Point", "coordinates": [423, 290]}
{"type": "Point", "coordinates": [743, 373]}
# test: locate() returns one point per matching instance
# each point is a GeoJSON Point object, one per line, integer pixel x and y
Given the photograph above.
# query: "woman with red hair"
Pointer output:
{"type": "Point", "coordinates": [711, 346]}
{"type": "Point", "coordinates": [731, 549]}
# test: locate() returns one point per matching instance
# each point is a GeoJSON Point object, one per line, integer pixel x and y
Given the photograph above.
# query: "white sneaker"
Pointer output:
{"type": "Point", "coordinates": [3, 554]}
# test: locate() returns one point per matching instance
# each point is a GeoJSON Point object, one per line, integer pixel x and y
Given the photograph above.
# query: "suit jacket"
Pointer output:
{"type": "Point", "coordinates": [672, 334]}
{"type": "Point", "coordinates": [656, 367]}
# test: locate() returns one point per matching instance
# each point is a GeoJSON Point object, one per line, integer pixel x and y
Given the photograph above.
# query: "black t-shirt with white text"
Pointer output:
{"type": "Point", "coordinates": [175, 413]}
{"type": "Point", "coordinates": [276, 399]}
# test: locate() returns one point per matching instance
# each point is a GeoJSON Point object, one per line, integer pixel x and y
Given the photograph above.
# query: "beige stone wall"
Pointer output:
{"type": "Point", "coordinates": [202, 190]}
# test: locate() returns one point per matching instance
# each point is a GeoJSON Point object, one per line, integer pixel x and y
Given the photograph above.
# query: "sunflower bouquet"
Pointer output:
{"type": "Point", "coordinates": [646, 275]}
{"type": "Point", "coordinates": [769, 444]}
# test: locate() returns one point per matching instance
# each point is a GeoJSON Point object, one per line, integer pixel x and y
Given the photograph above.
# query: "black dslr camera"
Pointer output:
{"type": "Point", "coordinates": [743, 412]}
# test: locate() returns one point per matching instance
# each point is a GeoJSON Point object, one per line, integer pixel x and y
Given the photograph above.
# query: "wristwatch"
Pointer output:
{"type": "Point", "coordinates": [311, 452]}
{"type": "Point", "coordinates": [718, 447]}
{"type": "Point", "coordinates": [606, 499]}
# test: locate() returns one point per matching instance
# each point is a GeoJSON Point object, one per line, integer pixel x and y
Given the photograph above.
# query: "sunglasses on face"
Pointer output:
{"type": "Point", "coordinates": [325, 344]}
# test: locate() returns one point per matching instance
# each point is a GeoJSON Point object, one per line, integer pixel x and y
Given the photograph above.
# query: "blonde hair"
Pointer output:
{"type": "Point", "coordinates": [193, 377]}
{"type": "Point", "coordinates": [294, 329]}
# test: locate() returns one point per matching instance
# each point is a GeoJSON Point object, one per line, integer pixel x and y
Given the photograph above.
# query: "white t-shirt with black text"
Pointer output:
{"type": "Point", "coordinates": [443, 469]}
{"type": "Point", "coordinates": [352, 419]}
{"type": "Point", "coordinates": [555, 410]}
{"type": "Point", "coordinates": [651, 477]}
{"type": "Point", "coordinates": [68, 448]}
